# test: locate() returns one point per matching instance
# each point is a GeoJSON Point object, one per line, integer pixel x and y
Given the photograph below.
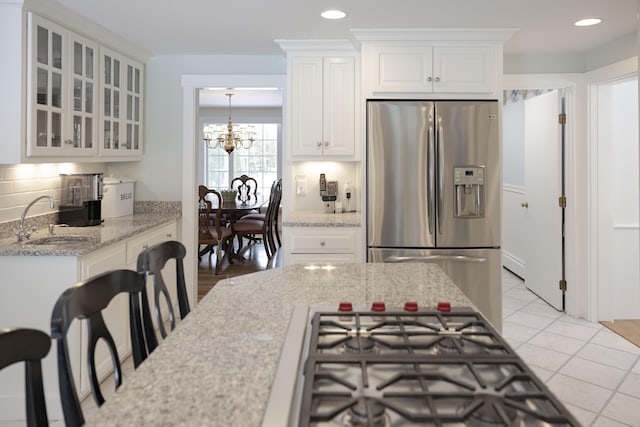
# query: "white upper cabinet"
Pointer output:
{"type": "Point", "coordinates": [434, 69]}
{"type": "Point", "coordinates": [440, 63]}
{"type": "Point", "coordinates": [121, 105]}
{"type": "Point", "coordinates": [54, 85]}
{"type": "Point", "coordinates": [61, 91]}
{"type": "Point", "coordinates": [322, 112]}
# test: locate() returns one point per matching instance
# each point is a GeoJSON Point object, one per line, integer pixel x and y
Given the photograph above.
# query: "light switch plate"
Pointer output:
{"type": "Point", "coordinates": [301, 186]}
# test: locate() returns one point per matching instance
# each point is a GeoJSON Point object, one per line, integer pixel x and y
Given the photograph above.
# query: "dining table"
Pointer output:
{"type": "Point", "coordinates": [218, 366]}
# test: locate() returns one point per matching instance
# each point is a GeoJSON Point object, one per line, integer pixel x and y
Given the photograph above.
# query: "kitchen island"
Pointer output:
{"type": "Point", "coordinates": [217, 367]}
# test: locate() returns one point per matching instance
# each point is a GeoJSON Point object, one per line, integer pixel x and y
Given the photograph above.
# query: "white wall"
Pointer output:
{"type": "Point", "coordinates": [618, 213]}
{"type": "Point", "coordinates": [159, 175]}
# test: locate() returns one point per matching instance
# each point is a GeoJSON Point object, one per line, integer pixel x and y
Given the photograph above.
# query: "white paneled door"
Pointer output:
{"type": "Point", "coordinates": [543, 182]}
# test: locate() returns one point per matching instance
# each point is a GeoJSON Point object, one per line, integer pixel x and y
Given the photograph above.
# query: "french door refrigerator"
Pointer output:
{"type": "Point", "coordinates": [433, 191]}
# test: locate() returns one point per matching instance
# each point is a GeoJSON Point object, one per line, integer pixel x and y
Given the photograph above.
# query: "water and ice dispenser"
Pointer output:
{"type": "Point", "coordinates": [469, 201]}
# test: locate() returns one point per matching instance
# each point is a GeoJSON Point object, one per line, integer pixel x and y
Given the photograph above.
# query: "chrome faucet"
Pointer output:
{"type": "Point", "coordinates": [21, 233]}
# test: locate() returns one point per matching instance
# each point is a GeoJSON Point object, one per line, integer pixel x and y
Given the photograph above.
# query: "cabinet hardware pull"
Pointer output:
{"type": "Point", "coordinates": [69, 142]}
{"type": "Point", "coordinates": [322, 243]}
{"type": "Point", "coordinates": [169, 235]}
{"type": "Point", "coordinates": [429, 79]}
{"type": "Point", "coordinates": [319, 144]}
{"type": "Point", "coordinates": [437, 79]}
{"type": "Point", "coordinates": [145, 247]}
{"type": "Point", "coordinates": [524, 204]}
{"type": "Point", "coordinates": [326, 143]}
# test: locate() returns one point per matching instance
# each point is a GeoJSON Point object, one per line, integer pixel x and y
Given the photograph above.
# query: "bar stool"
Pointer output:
{"type": "Point", "coordinates": [29, 346]}
{"type": "Point", "coordinates": [86, 301]}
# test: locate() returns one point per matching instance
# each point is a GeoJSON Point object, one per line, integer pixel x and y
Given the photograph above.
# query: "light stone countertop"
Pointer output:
{"type": "Point", "coordinates": [317, 219]}
{"type": "Point", "coordinates": [217, 366]}
{"type": "Point", "coordinates": [110, 231]}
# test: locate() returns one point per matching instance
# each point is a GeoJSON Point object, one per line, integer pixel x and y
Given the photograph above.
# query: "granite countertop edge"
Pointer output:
{"type": "Point", "coordinates": [320, 219]}
{"type": "Point", "coordinates": [111, 231]}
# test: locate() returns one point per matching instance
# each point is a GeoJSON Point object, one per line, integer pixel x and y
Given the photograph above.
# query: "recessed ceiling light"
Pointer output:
{"type": "Point", "coordinates": [333, 14]}
{"type": "Point", "coordinates": [587, 22]}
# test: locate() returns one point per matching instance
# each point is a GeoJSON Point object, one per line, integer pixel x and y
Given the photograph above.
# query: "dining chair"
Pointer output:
{"type": "Point", "coordinates": [211, 232]}
{"type": "Point", "coordinates": [276, 192]}
{"type": "Point", "coordinates": [29, 346]}
{"type": "Point", "coordinates": [251, 227]}
{"type": "Point", "coordinates": [86, 301]}
{"type": "Point", "coordinates": [151, 262]}
{"type": "Point", "coordinates": [246, 186]}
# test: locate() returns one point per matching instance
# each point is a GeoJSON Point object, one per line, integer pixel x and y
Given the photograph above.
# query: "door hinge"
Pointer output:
{"type": "Point", "coordinates": [563, 285]}
{"type": "Point", "coordinates": [562, 201]}
{"type": "Point", "coordinates": [562, 118]}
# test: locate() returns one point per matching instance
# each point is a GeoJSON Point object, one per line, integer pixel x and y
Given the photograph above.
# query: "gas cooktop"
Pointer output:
{"type": "Point", "coordinates": [413, 367]}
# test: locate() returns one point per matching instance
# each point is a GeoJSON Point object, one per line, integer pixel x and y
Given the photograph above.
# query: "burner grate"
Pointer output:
{"type": "Point", "coordinates": [474, 379]}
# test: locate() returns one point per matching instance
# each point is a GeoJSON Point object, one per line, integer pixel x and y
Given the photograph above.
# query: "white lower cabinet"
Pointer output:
{"type": "Point", "coordinates": [322, 245]}
{"type": "Point", "coordinates": [31, 286]}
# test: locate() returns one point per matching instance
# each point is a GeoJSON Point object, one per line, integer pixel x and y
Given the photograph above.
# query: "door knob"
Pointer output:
{"type": "Point", "coordinates": [524, 204]}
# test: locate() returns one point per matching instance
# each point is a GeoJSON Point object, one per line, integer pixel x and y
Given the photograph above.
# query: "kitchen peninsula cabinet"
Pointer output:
{"type": "Point", "coordinates": [55, 91]}
{"type": "Point", "coordinates": [32, 285]}
{"type": "Point", "coordinates": [321, 245]}
{"type": "Point", "coordinates": [317, 238]}
{"type": "Point", "coordinates": [321, 96]}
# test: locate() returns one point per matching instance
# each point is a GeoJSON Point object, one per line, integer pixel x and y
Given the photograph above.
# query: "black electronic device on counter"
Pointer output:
{"type": "Point", "coordinates": [81, 200]}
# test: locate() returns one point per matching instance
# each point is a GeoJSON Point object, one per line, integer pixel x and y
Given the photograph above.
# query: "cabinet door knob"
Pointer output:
{"type": "Point", "coordinates": [437, 79]}
{"type": "Point", "coordinates": [429, 79]}
{"type": "Point", "coordinates": [524, 204]}
{"type": "Point", "coordinates": [319, 144]}
{"type": "Point", "coordinates": [322, 243]}
{"type": "Point", "coordinates": [326, 143]}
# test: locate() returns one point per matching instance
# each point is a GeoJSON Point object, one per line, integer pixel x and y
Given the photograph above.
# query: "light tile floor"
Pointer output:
{"type": "Point", "coordinates": [592, 370]}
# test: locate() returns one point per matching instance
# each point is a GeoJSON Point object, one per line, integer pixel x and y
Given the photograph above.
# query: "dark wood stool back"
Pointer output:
{"type": "Point", "coordinates": [85, 301]}
{"type": "Point", "coordinates": [151, 261]}
{"type": "Point", "coordinates": [29, 346]}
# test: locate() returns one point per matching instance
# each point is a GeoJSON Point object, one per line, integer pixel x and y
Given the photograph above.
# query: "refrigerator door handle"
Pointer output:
{"type": "Point", "coordinates": [440, 151]}
{"type": "Point", "coordinates": [431, 177]}
{"type": "Point", "coordinates": [457, 258]}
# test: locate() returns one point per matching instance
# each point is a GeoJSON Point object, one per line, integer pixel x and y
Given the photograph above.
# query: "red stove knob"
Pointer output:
{"type": "Point", "coordinates": [378, 306]}
{"type": "Point", "coordinates": [345, 306]}
{"type": "Point", "coordinates": [444, 307]}
{"type": "Point", "coordinates": [410, 306]}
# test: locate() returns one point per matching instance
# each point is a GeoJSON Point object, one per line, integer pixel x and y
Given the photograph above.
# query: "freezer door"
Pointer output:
{"type": "Point", "coordinates": [477, 272]}
{"type": "Point", "coordinates": [468, 150]}
{"type": "Point", "coordinates": [400, 174]}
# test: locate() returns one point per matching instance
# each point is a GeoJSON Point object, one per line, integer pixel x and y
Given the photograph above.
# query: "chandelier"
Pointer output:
{"type": "Point", "coordinates": [230, 137]}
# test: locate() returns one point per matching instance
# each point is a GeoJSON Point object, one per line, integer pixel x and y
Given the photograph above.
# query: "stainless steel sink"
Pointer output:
{"type": "Point", "coordinates": [58, 240]}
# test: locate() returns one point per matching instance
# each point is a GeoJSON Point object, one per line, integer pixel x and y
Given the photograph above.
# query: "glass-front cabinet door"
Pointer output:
{"type": "Point", "coordinates": [121, 105]}
{"type": "Point", "coordinates": [61, 91]}
{"type": "Point", "coordinates": [84, 88]}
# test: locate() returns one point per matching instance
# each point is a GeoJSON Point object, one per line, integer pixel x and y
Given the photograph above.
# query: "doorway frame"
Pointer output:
{"type": "Point", "coordinates": [191, 84]}
{"type": "Point", "coordinates": [599, 299]}
{"type": "Point", "coordinates": [572, 84]}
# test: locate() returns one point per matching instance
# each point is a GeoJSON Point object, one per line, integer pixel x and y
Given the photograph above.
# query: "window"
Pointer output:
{"type": "Point", "coordinates": [260, 161]}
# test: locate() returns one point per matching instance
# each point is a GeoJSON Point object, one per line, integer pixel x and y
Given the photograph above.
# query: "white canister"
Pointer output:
{"type": "Point", "coordinates": [118, 197]}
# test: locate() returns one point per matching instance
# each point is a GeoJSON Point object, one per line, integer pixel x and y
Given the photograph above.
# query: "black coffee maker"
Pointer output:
{"type": "Point", "coordinates": [81, 199]}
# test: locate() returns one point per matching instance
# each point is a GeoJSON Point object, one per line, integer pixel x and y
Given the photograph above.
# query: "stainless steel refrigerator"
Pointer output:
{"type": "Point", "coordinates": [433, 191]}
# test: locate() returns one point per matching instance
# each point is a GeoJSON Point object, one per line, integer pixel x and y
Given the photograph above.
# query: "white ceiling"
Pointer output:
{"type": "Point", "coordinates": [250, 26]}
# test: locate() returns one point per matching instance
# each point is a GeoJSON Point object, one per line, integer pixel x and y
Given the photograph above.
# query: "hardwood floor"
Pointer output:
{"type": "Point", "coordinates": [256, 260]}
